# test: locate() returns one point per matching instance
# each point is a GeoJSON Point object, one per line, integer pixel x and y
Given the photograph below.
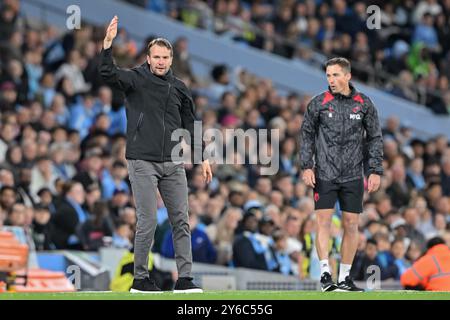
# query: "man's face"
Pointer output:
{"type": "Point", "coordinates": [337, 78]}
{"type": "Point", "coordinates": [17, 216]}
{"type": "Point", "coordinates": [251, 224]}
{"type": "Point", "coordinates": [8, 198]}
{"type": "Point", "coordinates": [398, 250]}
{"type": "Point", "coordinates": [160, 60]}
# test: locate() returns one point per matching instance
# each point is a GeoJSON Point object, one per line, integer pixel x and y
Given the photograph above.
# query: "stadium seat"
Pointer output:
{"type": "Point", "coordinates": [40, 280]}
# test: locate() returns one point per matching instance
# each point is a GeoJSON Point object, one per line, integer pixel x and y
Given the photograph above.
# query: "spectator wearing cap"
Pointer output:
{"type": "Point", "coordinates": [93, 166]}
{"type": "Point", "coordinates": [248, 250]}
{"type": "Point", "coordinates": [266, 226]}
{"type": "Point", "coordinates": [69, 216]}
{"type": "Point", "coordinates": [115, 180]}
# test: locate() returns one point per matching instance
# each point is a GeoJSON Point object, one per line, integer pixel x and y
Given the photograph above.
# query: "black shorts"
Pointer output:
{"type": "Point", "coordinates": [350, 195]}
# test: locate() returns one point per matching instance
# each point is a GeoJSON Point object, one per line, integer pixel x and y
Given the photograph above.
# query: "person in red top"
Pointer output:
{"type": "Point", "coordinates": [432, 271]}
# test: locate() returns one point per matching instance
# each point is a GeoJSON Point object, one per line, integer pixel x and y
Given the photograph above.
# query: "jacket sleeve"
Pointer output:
{"type": "Point", "coordinates": [188, 120]}
{"type": "Point", "coordinates": [419, 273]}
{"type": "Point", "coordinates": [308, 135]}
{"type": "Point", "coordinates": [374, 139]}
{"type": "Point", "coordinates": [124, 79]}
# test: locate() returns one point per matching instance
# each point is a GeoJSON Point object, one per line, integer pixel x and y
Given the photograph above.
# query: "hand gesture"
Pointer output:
{"type": "Point", "coordinates": [206, 171]}
{"type": "Point", "coordinates": [111, 32]}
{"type": "Point", "coordinates": [309, 178]}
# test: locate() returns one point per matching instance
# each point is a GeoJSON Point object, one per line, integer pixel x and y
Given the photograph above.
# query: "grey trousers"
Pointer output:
{"type": "Point", "coordinates": [146, 178]}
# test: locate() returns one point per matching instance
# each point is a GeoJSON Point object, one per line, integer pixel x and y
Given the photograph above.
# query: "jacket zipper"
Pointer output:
{"type": "Point", "coordinates": [342, 139]}
{"type": "Point", "coordinates": [141, 116]}
{"type": "Point", "coordinates": [164, 122]}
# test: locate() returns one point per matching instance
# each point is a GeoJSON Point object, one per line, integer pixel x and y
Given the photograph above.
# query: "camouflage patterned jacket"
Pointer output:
{"type": "Point", "coordinates": [334, 132]}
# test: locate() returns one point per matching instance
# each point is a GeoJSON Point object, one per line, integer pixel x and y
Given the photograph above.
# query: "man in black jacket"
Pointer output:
{"type": "Point", "coordinates": [332, 158]}
{"type": "Point", "coordinates": [157, 105]}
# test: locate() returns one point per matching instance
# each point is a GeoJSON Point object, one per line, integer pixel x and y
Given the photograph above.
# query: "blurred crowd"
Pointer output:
{"type": "Point", "coordinates": [63, 174]}
{"type": "Point", "coordinates": [402, 48]}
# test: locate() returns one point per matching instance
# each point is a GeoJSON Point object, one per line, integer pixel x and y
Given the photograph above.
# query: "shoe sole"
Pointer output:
{"type": "Point", "coordinates": [140, 291]}
{"type": "Point", "coordinates": [188, 291]}
{"type": "Point", "coordinates": [343, 290]}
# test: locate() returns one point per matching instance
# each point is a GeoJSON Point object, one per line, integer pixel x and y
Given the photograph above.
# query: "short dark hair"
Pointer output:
{"type": "Point", "coordinates": [434, 242]}
{"type": "Point", "coordinates": [4, 188]}
{"type": "Point", "coordinates": [342, 62]}
{"type": "Point", "coordinates": [218, 71]}
{"type": "Point", "coordinates": [160, 42]}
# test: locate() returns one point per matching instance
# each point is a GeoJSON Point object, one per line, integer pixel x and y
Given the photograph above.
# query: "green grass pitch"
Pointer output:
{"type": "Point", "coordinates": [233, 295]}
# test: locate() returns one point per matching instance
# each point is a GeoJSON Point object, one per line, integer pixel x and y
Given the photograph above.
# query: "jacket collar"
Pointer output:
{"type": "Point", "coordinates": [352, 94]}
{"type": "Point", "coordinates": [168, 77]}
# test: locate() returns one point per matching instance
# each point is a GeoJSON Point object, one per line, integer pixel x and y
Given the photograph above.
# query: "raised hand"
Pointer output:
{"type": "Point", "coordinates": [111, 32]}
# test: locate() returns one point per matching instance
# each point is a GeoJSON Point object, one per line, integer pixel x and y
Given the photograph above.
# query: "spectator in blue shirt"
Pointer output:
{"type": "Point", "coordinates": [115, 180]}
{"type": "Point", "coordinates": [82, 116]}
{"type": "Point", "coordinates": [426, 33]}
